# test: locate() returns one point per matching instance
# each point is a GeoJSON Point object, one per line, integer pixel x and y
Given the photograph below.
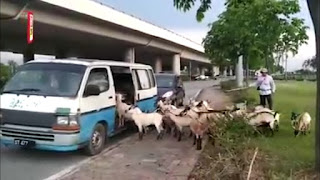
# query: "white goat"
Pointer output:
{"type": "Point", "coordinates": [143, 120]}
{"type": "Point", "coordinates": [301, 123]}
{"type": "Point", "coordinates": [168, 123]}
{"type": "Point", "coordinates": [179, 121]}
{"type": "Point", "coordinates": [163, 107]}
{"type": "Point", "coordinates": [121, 108]}
{"type": "Point", "coordinates": [260, 108]}
{"type": "Point", "coordinates": [264, 119]}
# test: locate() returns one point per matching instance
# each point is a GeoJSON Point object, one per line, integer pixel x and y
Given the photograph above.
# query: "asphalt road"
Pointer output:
{"type": "Point", "coordinates": [18, 164]}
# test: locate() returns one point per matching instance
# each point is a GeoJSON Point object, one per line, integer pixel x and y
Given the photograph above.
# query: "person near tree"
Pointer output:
{"type": "Point", "coordinates": [266, 87]}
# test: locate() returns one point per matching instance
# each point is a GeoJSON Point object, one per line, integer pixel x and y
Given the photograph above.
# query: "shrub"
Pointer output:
{"type": "Point", "coordinates": [242, 96]}
{"type": "Point", "coordinates": [313, 80]}
{"type": "Point", "coordinates": [185, 78]}
{"type": "Point", "coordinates": [227, 85]}
{"type": "Point", "coordinates": [300, 79]}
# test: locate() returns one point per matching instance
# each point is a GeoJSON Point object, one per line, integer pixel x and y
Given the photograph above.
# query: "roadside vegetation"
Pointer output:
{"type": "Point", "coordinates": [230, 150]}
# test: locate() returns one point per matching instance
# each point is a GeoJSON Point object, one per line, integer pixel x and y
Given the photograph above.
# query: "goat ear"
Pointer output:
{"type": "Point", "coordinates": [200, 104]}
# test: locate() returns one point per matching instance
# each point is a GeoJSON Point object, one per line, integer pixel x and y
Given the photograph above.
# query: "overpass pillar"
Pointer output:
{"type": "Point", "coordinates": [230, 71]}
{"type": "Point", "coordinates": [28, 54]}
{"type": "Point", "coordinates": [202, 70]}
{"type": "Point", "coordinates": [176, 64]}
{"type": "Point", "coordinates": [158, 65]}
{"type": "Point", "coordinates": [190, 70]}
{"type": "Point", "coordinates": [225, 71]}
{"type": "Point", "coordinates": [215, 70]}
{"type": "Point", "coordinates": [129, 55]}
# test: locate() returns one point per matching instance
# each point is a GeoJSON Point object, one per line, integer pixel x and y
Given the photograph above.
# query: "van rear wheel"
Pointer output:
{"type": "Point", "coordinates": [97, 140]}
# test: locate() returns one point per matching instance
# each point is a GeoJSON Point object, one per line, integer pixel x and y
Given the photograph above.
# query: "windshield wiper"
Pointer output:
{"type": "Point", "coordinates": [22, 90]}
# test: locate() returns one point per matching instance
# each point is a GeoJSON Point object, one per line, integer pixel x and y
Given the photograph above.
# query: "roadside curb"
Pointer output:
{"type": "Point", "coordinates": [73, 168]}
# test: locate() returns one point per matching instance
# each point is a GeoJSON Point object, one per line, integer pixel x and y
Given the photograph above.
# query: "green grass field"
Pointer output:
{"type": "Point", "coordinates": [290, 152]}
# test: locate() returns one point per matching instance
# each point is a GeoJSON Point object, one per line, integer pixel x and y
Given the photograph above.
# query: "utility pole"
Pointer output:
{"type": "Point", "coordinates": [314, 8]}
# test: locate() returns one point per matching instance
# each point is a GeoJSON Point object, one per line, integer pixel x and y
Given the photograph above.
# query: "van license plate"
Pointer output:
{"type": "Point", "coordinates": [24, 143]}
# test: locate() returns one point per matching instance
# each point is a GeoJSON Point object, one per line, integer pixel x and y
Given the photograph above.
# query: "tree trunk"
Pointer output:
{"type": "Point", "coordinates": [318, 100]}
{"type": "Point", "coordinates": [239, 72]}
{"type": "Point", "coordinates": [286, 68]}
{"type": "Point", "coordinates": [314, 8]}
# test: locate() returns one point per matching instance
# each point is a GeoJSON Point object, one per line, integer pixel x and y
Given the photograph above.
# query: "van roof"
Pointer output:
{"type": "Point", "coordinates": [89, 62]}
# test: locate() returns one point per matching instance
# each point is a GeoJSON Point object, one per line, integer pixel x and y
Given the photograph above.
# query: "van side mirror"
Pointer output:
{"type": "Point", "coordinates": [92, 90]}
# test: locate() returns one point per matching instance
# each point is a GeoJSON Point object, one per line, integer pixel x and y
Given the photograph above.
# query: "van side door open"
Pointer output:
{"type": "Point", "coordinates": [145, 89]}
{"type": "Point", "coordinates": [97, 103]}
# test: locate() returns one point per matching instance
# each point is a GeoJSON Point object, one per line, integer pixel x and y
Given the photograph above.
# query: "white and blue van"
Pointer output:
{"type": "Point", "coordinates": [68, 104]}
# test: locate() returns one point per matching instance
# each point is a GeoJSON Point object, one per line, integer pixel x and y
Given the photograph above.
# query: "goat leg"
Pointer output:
{"type": "Point", "coordinates": [168, 129]}
{"type": "Point", "coordinates": [199, 143]}
{"type": "Point", "coordinates": [175, 132]}
{"type": "Point", "coordinates": [194, 139]}
{"type": "Point", "coordinates": [140, 136]}
{"type": "Point", "coordinates": [119, 121]}
{"type": "Point", "coordinates": [179, 135]}
{"type": "Point", "coordinates": [161, 134]}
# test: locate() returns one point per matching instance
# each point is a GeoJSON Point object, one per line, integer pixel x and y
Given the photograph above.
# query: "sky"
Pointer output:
{"type": "Point", "coordinates": [162, 13]}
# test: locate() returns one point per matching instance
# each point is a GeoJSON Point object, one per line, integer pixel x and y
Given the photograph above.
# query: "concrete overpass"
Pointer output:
{"type": "Point", "coordinates": [85, 28]}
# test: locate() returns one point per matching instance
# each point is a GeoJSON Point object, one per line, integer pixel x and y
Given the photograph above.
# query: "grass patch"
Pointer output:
{"type": "Point", "coordinates": [232, 144]}
{"type": "Point", "coordinates": [294, 153]}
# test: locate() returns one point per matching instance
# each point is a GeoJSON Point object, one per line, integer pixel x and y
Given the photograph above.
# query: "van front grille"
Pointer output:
{"type": "Point", "coordinates": [24, 134]}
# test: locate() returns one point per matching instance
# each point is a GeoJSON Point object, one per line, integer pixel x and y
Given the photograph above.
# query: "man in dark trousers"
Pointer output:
{"type": "Point", "coordinates": [266, 87]}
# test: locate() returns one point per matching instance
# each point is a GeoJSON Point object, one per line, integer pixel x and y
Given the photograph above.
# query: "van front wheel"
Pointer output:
{"type": "Point", "coordinates": [97, 140]}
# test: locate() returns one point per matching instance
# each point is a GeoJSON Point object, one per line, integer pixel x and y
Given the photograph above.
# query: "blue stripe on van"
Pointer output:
{"type": "Point", "coordinates": [89, 119]}
{"type": "Point", "coordinates": [148, 104]}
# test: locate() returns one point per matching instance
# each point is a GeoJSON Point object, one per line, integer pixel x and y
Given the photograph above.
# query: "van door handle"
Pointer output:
{"type": "Point", "coordinates": [110, 97]}
{"type": "Point", "coordinates": [138, 96]}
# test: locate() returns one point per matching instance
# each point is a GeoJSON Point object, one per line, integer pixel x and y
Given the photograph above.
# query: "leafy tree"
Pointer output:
{"type": "Point", "coordinates": [13, 66]}
{"type": "Point", "coordinates": [4, 74]}
{"type": "Point", "coordinates": [314, 11]}
{"type": "Point", "coordinates": [236, 33]}
{"type": "Point", "coordinates": [310, 63]}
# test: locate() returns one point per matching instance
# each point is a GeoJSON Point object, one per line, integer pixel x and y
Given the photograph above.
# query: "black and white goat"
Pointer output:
{"type": "Point", "coordinates": [301, 123]}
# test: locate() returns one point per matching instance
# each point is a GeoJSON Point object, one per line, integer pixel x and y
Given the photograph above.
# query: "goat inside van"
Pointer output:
{"type": "Point", "coordinates": [65, 105]}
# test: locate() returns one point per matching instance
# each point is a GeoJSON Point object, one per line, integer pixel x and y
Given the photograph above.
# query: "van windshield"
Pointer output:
{"type": "Point", "coordinates": [164, 81]}
{"type": "Point", "coordinates": [47, 79]}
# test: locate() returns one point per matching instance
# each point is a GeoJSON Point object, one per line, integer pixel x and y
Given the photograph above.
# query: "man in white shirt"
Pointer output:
{"type": "Point", "coordinates": [266, 87]}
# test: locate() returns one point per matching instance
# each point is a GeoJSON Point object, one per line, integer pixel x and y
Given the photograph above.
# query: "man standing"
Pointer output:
{"type": "Point", "coordinates": [266, 87]}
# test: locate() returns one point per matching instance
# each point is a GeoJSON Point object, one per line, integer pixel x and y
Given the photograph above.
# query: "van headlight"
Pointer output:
{"type": "Point", "coordinates": [67, 120]}
{"type": "Point", "coordinates": [167, 94]}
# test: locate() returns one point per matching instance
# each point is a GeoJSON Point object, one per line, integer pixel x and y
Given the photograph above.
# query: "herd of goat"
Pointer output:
{"type": "Point", "coordinates": [197, 116]}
